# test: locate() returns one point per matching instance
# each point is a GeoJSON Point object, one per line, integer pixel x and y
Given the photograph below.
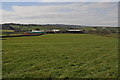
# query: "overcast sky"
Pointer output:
{"type": "Point", "coordinates": [59, 0]}
{"type": "Point", "coordinates": [80, 13]}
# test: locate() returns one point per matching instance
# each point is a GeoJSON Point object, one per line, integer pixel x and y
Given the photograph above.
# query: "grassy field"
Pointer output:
{"type": "Point", "coordinates": [60, 56]}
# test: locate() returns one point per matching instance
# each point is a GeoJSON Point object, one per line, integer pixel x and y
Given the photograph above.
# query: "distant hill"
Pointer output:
{"type": "Point", "coordinates": [26, 27]}
{"type": "Point", "coordinates": [12, 26]}
{"type": "Point", "coordinates": [7, 27]}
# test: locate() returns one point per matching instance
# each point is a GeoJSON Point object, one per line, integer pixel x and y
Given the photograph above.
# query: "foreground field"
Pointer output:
{"type": "Point", "coordinates": [60, 56]}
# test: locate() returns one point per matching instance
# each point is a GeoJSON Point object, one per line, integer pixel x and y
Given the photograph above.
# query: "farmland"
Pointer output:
{"type": "Point", "coordinates": [60, 56]}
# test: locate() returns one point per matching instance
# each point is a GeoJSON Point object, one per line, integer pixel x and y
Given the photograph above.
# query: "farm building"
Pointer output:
{"type": "Point", "coordinates": [34, 32]}
{"type": "Point", "coordinates": [37, 31]}
{"type": "Point", "coordinates": [74, 31]}
{"type": "Point", "coordinates": [53, 31]}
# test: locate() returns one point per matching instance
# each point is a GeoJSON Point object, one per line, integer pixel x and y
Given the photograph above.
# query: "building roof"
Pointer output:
{"type": "Point", "coordinates": [37, 31]}
{"type": "Point", "coordinates": [74, 30]}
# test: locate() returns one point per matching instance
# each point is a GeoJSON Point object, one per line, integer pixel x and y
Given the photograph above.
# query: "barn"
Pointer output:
{"type": "Point", "coordinates": [34, 32]}
{"type": "Point", "coordinates": [53, 31]}
{"type": "Point", "coordinates": [74, 31]}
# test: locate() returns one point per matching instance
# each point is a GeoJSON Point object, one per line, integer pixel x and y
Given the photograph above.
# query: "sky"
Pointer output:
{"type": "Point", "coordinates": [44, 12]}
{"type": "Point", "coordinates": [59, 0]}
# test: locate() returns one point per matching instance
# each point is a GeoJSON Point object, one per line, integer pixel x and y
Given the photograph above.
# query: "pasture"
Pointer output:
{"type": "Point", "coordinates": [60, 56]}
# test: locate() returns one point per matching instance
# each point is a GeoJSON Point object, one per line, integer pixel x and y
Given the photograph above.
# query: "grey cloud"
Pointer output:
{"type": "Point", "coordinates": [80, 13]}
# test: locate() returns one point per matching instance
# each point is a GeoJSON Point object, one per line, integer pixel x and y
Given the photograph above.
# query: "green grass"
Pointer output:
{"type": "Point", "coordinates": [88, 28]}
{"type": "Point", "coordinates": [60, 56]}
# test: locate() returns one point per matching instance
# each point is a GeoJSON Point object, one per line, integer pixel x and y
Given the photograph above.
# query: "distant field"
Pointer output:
{"type": "Point", "coordinates": [7, 30]}
{"type": "Point", "coordinates": [60, 56]}
{"type": "Point", "coordinates": [9, 33]}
